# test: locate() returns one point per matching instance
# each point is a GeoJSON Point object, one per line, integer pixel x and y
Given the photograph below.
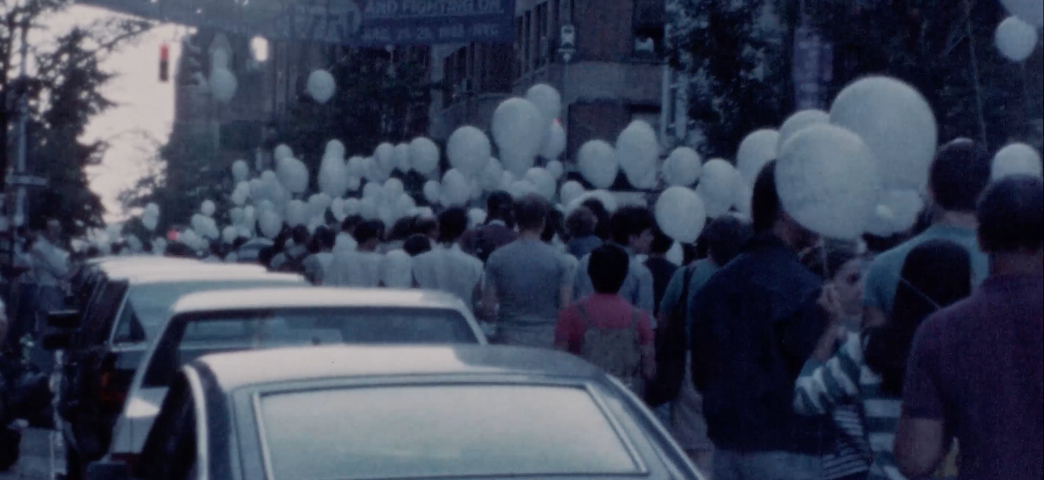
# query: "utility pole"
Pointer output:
{"type": "Point", "coordinates": [23, 112]}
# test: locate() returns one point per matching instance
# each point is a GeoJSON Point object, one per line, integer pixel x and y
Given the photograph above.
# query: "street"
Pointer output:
{"type": "Point", "coordinates": [35, 462]}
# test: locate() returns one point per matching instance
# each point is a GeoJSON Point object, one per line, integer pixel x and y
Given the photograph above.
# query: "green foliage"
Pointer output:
{"type": "Point", "coordinates": [738, 62]}
{"type": "Point", "coordinates": [64, 95]}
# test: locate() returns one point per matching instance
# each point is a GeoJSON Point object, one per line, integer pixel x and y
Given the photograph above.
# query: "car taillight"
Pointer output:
{"type": "Point", "coordinates": [127, 458]}
{"type": "Point", "coordinates": [110, 395]}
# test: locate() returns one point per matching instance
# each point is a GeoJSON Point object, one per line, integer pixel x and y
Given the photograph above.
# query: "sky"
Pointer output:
{"type": "Point", "coordinates": [145, 106]}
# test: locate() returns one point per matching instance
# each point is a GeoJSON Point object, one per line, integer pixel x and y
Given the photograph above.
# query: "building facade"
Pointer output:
{"type": "Point", "coordinates": [603, 56]}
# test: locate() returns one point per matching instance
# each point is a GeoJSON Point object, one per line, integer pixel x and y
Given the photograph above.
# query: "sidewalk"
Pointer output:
{"type": "Point", "coordinates": [35, 463]}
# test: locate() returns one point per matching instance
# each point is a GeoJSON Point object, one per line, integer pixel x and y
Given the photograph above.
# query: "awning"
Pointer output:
{"type": "Point", "coordinates": [347, 22]}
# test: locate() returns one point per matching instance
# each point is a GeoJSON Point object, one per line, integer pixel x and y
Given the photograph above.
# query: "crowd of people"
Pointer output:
{"type": "Point", "coordinates": [769, 353]}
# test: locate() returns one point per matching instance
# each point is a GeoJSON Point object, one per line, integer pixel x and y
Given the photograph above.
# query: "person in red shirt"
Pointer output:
{"type": "Point", "coordinates": [605, 329]}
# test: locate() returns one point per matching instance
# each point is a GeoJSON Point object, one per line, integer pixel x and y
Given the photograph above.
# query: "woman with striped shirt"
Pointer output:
{"type": "Point", "coordinates": [868, 369]}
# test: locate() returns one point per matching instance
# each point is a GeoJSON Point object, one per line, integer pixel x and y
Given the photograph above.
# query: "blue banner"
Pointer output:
{"type": "Point", "coordinates": [373, 23]}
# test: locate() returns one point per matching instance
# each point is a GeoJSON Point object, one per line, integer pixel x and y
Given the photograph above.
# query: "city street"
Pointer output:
{"type": "Point", "coordinates": [35, 462]}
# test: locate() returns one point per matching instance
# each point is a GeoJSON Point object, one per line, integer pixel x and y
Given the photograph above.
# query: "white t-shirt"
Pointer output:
{"type": "Point", "coordinates": [448, 269]}
{"type": "Point", "coordinates": [50, 263]}
{"type": "Point", "coordinates": [350, 268]}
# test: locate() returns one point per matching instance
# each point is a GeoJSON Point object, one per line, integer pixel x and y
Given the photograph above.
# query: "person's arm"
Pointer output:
{"type": "Point", "coordinates": [488, 307]}
{"type": "Point", "coordinates": [873, 317]}
{"type": "Point", "coordinates": [822, 386]}
{"type": "Point", "coordinates": [566, 331]}
{"type": "Point", "coordinates": [920, 444]}
{"type": "Point", "coordinates": [582, 287]}
{"type": "Point", "coordinates": [921, 440]}
{"type": "Point", "coordinates": [566, 282]}
{"type": "Point", "coordinates": [874, 314]}
{"type": "Point", "coordinates": [646, 295]}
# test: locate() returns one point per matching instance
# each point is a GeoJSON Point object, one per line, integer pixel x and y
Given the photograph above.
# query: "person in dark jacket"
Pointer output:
{"type": "Point", "coordinates": [754, 323]}
{"type": "Point", "coordinates": [498, 231]}
{"type": "Point", "coordinates": [661, 268]}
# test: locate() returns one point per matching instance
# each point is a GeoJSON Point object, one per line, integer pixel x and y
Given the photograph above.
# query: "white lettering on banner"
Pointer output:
{"type": "Point", "coordinates": [485, 30]}
{"type": "Point", "coordinates": [382, 8]}
{"type": "Point", "coordinates": [451, 32]}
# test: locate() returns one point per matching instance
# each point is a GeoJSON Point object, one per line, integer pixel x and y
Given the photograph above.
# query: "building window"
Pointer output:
{"type": "Point", "coordinates": [519, 50]}
{"type": "Point", "coordinates": [650, 16]}
{"type": "Point", "coordinates": [542, 35]}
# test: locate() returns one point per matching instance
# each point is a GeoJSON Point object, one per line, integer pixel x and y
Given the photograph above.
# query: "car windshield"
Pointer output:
{"type": "Point", "coordinates": [440, 430]}
{"type": "Point", "coordinates": [149, 304]}
{"type": "Point", "coordinates": [195, 335]}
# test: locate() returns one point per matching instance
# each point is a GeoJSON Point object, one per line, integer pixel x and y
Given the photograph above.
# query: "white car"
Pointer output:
{"type": "Point", "coordinates": [207, 323]}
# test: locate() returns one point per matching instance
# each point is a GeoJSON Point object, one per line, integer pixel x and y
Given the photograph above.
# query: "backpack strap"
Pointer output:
{"type": "Point", "coordinates": [636, 315]}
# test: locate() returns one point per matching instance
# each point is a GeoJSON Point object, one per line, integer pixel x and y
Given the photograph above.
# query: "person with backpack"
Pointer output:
{"type": "Point", "coordinates": [604, 328]}
{"type": "Point", "coordinates": [498, 231]}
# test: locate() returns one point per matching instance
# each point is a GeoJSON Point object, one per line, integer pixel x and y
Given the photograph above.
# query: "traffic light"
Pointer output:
{"type": "Point", "coordinates": [164, 66]}
{"type": "Point", "coordinates": [191, 66]}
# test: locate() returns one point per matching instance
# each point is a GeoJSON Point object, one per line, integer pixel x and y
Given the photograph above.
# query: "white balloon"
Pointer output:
{"type": "Point", "coordinates": [680, 214]}
{"type": "Point", "coordinates": [149, 222]}
{"type": "Point", "coordinates": [270, 222]}
{"type": "Point", "coordinates": [432, 191]}
{"type": "Point", "coordinates": [744, 196]}
{"type": "Point", "coordinates": [372, 190]}
{"type": "Point", "coordinates": [492, 176]}
{"type": "Point", "coordinates": [282, 151]}
{"type": "Point", "coordinates": [717, 188]}
{"type": "Point", "coordinates": [208, 208]}
{"type": "Point", "coordinates": [683, 167]}
{"type": "Point", "coordinates": [402, 157]}
{"type": "Point", "coordinates": [352, 206]}
{"type": "Point", "coordinates": [675, 254]}
{"type": "Point", "coordinates": [223, 85]}
{"type": "Point", "coordinates": [384, 155]}
{"type": "Point", "coordinates": [293, 174]}
{"type": "Point", "coordinates": [159, 246]}
{"type": "Point", "coordinates": [468, 150]}
{"type": "Point", "coordinates": [542, 181]}
{"type": "Point", "coordinates": [354, 183]}
{"type": "Point", "coordinates": [405, 204]}
{"type": "Point", "coordinates": [476, 217]}
{"type": "Point", "coordinates": [554, 142]}
{"type": "Point", "coordinates": [368, 208]}
{"type": "Point", "coordinates": [475, 188]}
{"type": "Point", "coordinates": [393, 188]}
{"type": "Point", "coordinates": [506, 180]}
{"type": "Point", "coordinates": [397, 270]}
{"type": "Point", "coordinates": [334, 148]}
{"type": "Point", "coordinates": [637, 150]}
{"type": "Point", "coordinates": [598, 163]}
{"type": "Point", "coordinates": [236, 215]}
{"type": "Point", "coordinates": [241, 193]}
{"type": "Point", "coordinates": [333, 176]}
{"type": "Point", "coordinates": [321, 86]}
{"type": "Point", "coordinates": [229, 234]}
{"type": "Point", "coordinates": [337, 209]}
{"type": "Point", "coordinates": [152, 209]}
{"type": "Point", "coordinates": [296, 213]}
{"type": "Point", "coordinates": [1016, 159]}
{"type": "Point", "coordinates": [518, 129]}
{"type": "Point", "coordinates": [357, 166]}
{"type": "Point", "coordinates": [455, 188]}
{"type": "Point", "coordinates": [522, 188]}
{"type": "Point", "coordinates": [799, 121]}
{"type": "Point", "coordinates": [249, 217]}
{"type": "Point", "coordinates": [895, 122]}
{"type": "Point", "coordinates": [424, 155]}
{"type": "Point", "coordinates": [547, 100]}
{"type": "Point", "coordinates": [570, 191]}
{"type": "Point", "coordinates": [896, 211]}
{"type": "Point", "coordinates": [317, 204]}
{"type": "Point", "coordinates": [1015, 39]}
{"type": "Point", "coordinates": [240, 171]}
{"type": "Point", "coordinates": [555, 168]}
{"type": "Point", "coordinates": [1030, 11]}
{"type": "Point", "coordinates": [755, 151]}
{"type": "Point", "coordinates": [828, 182]}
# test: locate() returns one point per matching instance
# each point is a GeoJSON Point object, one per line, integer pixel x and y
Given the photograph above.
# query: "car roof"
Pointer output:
{"type": "Point", "coordinates": [211, 274]}
{"type": "Point", "coordinates": [144, 271]}
{"type": "Point", "coordinates": [231, 371]}
{"type": "Point", "coordinates": [248, 299]}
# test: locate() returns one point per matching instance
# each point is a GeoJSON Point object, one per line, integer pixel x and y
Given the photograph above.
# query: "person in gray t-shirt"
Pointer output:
{"type": "Point", "coordinates": [529, 280]}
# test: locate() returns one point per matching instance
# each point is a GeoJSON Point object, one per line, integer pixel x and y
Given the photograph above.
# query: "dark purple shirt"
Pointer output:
{"type": "Point", "coordinates": [977, 366]}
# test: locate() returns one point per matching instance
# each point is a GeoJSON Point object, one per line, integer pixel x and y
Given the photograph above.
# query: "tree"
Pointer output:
{"type": "Point", "coordinates": [737, 60]}
{"type": "Point", "coordinates": [64, 93]}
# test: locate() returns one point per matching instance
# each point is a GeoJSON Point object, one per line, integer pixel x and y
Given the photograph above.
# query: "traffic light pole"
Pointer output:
{"type": "Point", "coordinates": [23, 113]}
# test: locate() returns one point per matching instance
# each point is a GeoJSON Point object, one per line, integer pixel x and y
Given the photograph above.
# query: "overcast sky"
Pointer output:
{"type": "Point", "coordinates": [144, 105]}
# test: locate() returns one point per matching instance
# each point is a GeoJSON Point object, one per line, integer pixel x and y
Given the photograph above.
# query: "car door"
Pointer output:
{"type": "Point", "coordinates": [170, 451]}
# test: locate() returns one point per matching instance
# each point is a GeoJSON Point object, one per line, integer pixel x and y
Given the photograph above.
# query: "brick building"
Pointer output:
{"type": "Point", "coordinates": [614, 76]}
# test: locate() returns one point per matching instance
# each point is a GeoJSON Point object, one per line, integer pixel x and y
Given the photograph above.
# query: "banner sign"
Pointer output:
{"type": "Point", "coordinates": [368, 23]}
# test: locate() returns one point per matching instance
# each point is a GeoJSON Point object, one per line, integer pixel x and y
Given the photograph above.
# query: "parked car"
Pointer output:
{"type": "Point", "coordinates": [210, 322]}
{"type": "Point", "coordinates": [356, 412]}
{"type": "Point", "coordinates": [102, 347]}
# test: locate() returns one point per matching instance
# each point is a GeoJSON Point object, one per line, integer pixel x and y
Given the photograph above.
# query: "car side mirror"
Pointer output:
{"type": "Point", "coordinates": [57, 341]}
{"type": "Point", "coordinates": [66, 319]}
{"type": "Point", "coordinates": [108, 471]}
